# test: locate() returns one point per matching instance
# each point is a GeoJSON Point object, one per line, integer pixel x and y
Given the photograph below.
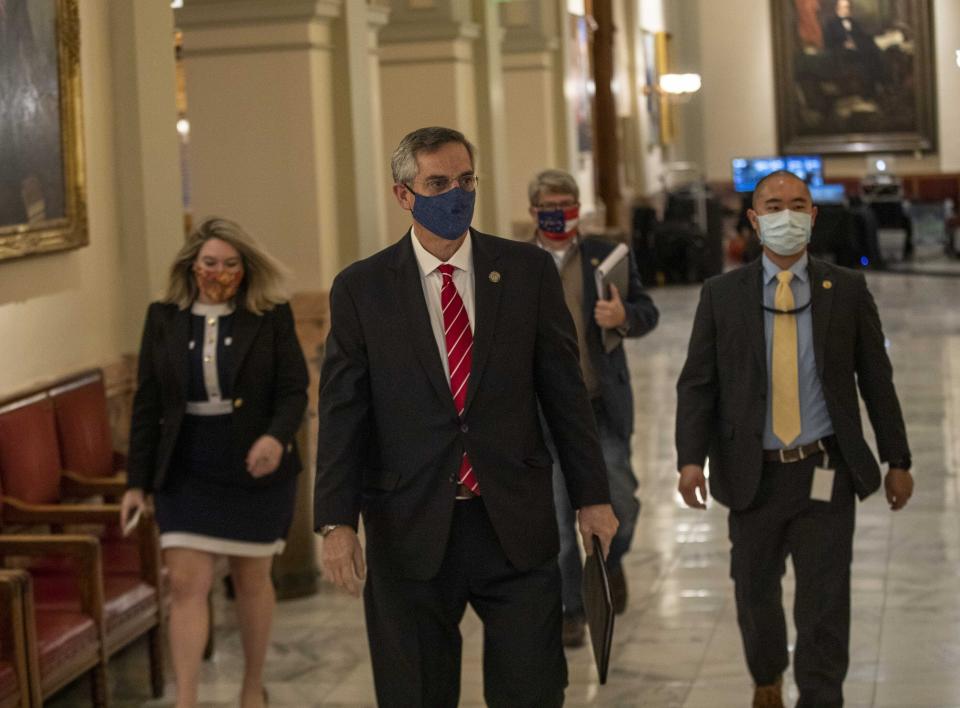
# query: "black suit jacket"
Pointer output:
{"type": "Point", "coordinates": [835, 34]}
{"type": "Point", "coordinates": [722, 391]}
{"type": "Point", "coordinates": [269, 384]}
{"type": "Point", "coordinates": [390, 439]}
{"type": "Point", "coordinates": [611, 367]}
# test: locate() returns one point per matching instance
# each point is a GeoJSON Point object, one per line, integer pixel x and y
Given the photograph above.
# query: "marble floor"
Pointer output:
{"type": "Point", "coordinates": [677, 645]}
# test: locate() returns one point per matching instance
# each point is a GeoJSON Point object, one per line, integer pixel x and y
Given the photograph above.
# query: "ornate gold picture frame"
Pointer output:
{"type": "Point", "coordinates": [43, 204]}
{"type": "Point", "coordinates": [854, 76]}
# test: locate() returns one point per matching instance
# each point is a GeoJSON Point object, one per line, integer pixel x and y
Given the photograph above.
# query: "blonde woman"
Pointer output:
{"type": "Point", "coordinates": [221, 392]}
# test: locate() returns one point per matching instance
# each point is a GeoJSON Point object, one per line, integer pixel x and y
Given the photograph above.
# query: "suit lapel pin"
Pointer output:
{"type": "Point", "coordinates": [594, 262]}
{"type": "Point", "coordinates": [494, 276]}
{"type": "Point", "coordinates": [827, 285]}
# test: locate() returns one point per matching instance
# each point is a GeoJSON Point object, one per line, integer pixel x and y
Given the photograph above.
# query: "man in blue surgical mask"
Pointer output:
{"type": "Point", "coordinates": [778, 351]}
{"type": "Point", "coordinates": [440, 348]}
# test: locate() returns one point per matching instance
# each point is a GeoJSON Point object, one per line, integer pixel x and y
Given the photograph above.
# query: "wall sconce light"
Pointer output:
{"type": "Point", "coordinates": [679, 84]}
{"type": "Point", "coordinates": [674, 85]}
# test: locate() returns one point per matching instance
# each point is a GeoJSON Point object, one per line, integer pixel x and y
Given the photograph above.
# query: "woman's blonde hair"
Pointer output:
{"type": "Point", "coordinates": [262, 286]}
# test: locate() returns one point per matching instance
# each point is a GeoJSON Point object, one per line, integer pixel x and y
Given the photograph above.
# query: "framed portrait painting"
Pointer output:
{"type": "Point", "coordinates": [854, 76]}
{"type": "Point", "coordinates": [42, 185]}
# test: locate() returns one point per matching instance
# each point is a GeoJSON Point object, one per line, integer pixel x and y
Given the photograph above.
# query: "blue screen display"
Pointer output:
{"type": "Point", "coordinates": [747, 171]}
{"type": "Point", "coordinates": [828, 194]}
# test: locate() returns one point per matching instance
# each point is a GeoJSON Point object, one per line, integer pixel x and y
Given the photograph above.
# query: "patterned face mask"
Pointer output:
{"type": "Point", "coordinates": [559, 224]}
{"type": "Point", "coordinates": [217, 287]}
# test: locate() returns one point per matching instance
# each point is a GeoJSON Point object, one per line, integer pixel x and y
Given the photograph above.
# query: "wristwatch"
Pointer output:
{"type": "Point", "coordinates": [327, 528]}
{"type": "Point", "coordinates": [904, 463]}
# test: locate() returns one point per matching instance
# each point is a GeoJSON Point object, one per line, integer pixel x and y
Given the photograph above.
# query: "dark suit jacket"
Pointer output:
{"type": "Point", "coordinates": [269, 384]}
{"type": "Point", "coordinates": [611, 367]}
{"type": "Point", "coordinates": [835, 34]}
{"type": "Point", "coordinates": [390, 440]}
{"type": "Point", "coordinates": [721, 393]}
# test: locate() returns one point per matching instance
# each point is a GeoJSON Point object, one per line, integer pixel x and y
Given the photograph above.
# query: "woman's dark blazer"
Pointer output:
{"type": "Point", "coordinates": [269, 384]}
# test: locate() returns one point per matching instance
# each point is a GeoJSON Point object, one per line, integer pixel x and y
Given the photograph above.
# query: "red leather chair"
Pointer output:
{"type": "Point", "coordinates": [83, 430]}
{"type": "Point", "coordinates": [31, 479]}
{"type": "Point", "coordinates": [54, 646]}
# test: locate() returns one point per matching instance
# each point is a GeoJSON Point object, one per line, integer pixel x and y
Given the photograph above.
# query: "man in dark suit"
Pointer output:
{"type": "Point", "coordinates": [439, 349]}
{"type": "Point", "coordinates": [769, 394]}
{"type": "Point", "coordinates": [601, 325]}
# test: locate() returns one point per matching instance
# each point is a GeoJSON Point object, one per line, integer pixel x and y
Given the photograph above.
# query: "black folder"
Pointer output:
{"type": "Point", "coordinates": [598, 604]}
{"type": "Point", "coordinates": [615, 270]}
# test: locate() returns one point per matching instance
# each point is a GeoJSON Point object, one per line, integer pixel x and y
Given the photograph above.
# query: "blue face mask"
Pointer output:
{"type": "Point", "coordinates": [448, 215]}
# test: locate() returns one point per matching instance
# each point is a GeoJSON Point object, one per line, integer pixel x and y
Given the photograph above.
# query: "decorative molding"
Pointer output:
{"type": "Point", "coordinates": [259, 49]}
{"type": "Point", "coordinates": [528, 61]}
{"type": "Point", "coordinates": [435, 52]}
{"type": "Point", "coordinates": [222, 13]}
{"type": "Point", "coordinates": [406, 32]}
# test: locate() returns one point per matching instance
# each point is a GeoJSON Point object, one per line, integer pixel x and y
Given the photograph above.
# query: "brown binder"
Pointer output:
{"type": "Point", "coordinates": [598, 605]}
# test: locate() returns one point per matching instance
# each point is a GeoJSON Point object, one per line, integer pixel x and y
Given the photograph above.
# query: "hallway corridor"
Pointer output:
{"type": "Point", "coordinates": [678, 645]}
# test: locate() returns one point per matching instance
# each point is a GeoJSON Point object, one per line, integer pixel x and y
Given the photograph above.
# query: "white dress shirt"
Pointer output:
{"type": "Point", "coordinates": [431, 280]}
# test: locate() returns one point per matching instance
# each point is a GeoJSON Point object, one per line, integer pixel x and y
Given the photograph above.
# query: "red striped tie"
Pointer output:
{"type": "Point", "coordinates": [459, 342]}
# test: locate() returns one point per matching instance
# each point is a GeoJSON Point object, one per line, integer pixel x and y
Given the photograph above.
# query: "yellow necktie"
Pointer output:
{"type": "Point", "coordinates": [786, 380]}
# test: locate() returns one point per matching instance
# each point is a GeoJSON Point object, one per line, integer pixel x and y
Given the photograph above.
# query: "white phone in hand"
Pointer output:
{"type": "Point", "coordinates": [133, 521]}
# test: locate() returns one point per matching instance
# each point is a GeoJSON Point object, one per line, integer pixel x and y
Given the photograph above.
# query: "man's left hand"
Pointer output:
{"type": "Point", "coordinates": [610, 314]}
{"type": "Point", "coordinates": [600, 521]}
{"type": "Point", "coordinates": [899, 487]}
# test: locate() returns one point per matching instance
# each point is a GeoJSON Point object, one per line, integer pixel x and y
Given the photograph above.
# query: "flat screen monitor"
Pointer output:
{"type": "Point", "coordinates": [828, 193]}
{"type": "Point", "coordinates": [747, 171]}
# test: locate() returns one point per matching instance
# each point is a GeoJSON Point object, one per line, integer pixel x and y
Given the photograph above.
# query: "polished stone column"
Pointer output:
{"type": "Point", "coordinates": [146, 171]}
{"type": "Point", "coordinates": [440, 65]}
{"type": "Point", "coordinates": [535, 102]}
{"type": "Point", "coordinates": [262, 102]}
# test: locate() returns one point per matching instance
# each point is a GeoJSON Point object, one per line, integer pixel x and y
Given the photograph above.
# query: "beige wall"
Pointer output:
{"type": "Point", "coordinates": [63, 312]}
{"type": "Point", "coordinates": [738, 108]}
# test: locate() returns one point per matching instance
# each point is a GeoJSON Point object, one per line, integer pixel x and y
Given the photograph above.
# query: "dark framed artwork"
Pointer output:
{"type": "Point", "coordinates": [854, 76]}
{"type": "Point", "coordinates": [42, 184]}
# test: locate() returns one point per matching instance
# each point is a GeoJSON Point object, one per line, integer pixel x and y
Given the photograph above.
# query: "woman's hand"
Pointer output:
{"type": "Point", "coordinates": [132, 501]}
{"type": "Point", "coordinates": [264, 456]}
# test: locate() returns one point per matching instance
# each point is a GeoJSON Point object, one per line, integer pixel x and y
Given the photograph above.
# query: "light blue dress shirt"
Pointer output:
{"type": "Point", "coordinates": [815, 421]}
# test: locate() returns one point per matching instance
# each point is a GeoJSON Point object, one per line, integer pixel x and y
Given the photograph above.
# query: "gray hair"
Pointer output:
{"type": "Point", "coordinates": [403, 164]}
{"type": "Point", "coordinates": [262, 286]}
{"type": "Point", "coordinates": [552, 181]}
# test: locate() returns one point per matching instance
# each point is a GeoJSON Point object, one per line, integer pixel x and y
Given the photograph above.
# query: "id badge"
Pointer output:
{"type": "Point", "coordinates": [822, 487]}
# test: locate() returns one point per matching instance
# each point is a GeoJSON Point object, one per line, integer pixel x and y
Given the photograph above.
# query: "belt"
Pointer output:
{"type": "Point", "coordinates": [464, 492]}
{"type": "Point", "coordinates": [795, 454]}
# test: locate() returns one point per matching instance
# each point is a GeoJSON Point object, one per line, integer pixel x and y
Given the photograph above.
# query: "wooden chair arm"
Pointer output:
{"type": "Point", "coordinates": [75, 485]}
{"type": "Point", "coordinates": [19, 512]}
{"type": "Point", "coordinates": [15, 609]}
{"type": "Point", "coordinates": [11, 611]}
{"type": "Point", "coordinates": [146, 534]}
{"type": "Point", "coordinates": [85, 549]}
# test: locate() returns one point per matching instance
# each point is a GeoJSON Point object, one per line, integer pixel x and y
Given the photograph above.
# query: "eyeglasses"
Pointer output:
{"type": "Point", "coordinates": [439, 185]}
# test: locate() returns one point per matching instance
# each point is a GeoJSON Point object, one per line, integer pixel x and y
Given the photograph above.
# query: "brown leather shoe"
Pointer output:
{"type": "Point", "coordinates": [574, 631]}
{"type": "Point", "coordinates": [769, 696]}
{"type": "Point", "coordinates": [618, 590]}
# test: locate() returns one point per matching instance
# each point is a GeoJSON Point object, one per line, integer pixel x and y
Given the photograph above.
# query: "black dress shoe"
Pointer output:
{"type": "Point", "coordinates": [574, 631]}
{"type": "Point", "coordinates": [618, 589]}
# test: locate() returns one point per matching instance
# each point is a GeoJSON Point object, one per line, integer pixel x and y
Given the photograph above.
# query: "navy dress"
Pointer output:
{"type": "Point", "coordinates": [200, 507]}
